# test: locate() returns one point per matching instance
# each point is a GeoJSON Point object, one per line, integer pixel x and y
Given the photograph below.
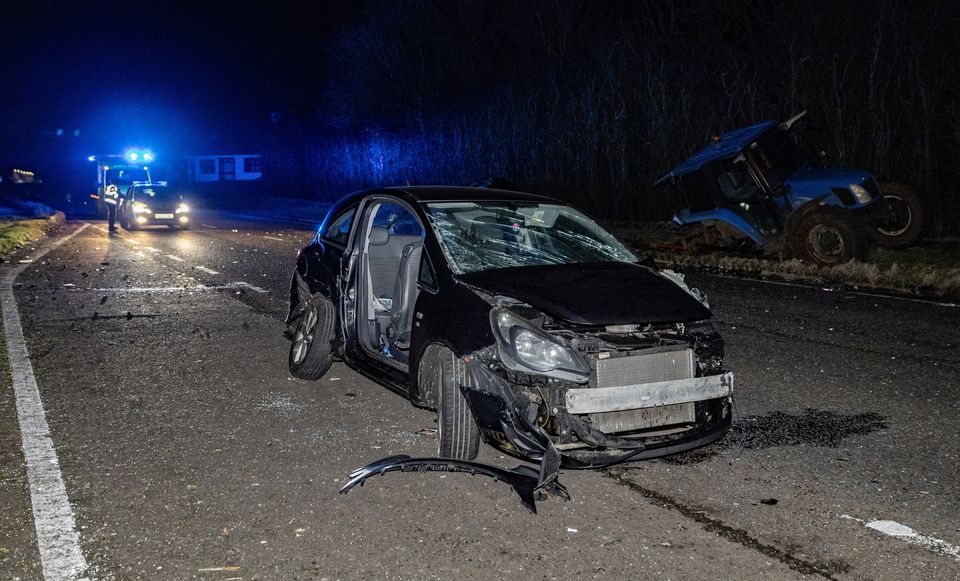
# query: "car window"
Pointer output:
{"type": "Point", "coordinates": [339, 229]}
{"type": "Point", "coordinates": [426, 277]}
{"type": "Point", "coordinates": [477, 236]}
{"type": "Point", "coordinates": [397, 220]}
{"type": "Point", "coordinates": [156, 193]}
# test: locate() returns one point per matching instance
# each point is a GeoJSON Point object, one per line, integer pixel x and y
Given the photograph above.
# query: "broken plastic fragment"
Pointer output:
{"type": "Point", "coordinates": [524, 480]}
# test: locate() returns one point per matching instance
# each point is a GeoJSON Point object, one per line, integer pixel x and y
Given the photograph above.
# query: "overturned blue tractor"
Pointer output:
{"type": "Point", "coordinates": [762, 186]}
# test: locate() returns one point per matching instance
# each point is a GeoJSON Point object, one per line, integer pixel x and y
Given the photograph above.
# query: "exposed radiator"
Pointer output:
{"type": "Point", "coordinates": [616, 422]}
{"type": "Point", "coordinates": [639, 369]}
{"type": "Point", "coordinates": [646, 368]}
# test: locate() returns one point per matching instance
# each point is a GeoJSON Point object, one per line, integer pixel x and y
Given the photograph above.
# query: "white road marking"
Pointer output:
{"type": "Point", "coordinates": [174, 257]}
{"type": "Point", "coordinates": [172, 289]}
{"type": "Point", "coordinates": [151, 248]}
{"type": "Point", "coordinates": [131, 241]}
{"type": "Point", "coordinates": [247, 285]}
{"type": "Point", "coordinates": [903, 532]}
{"type": "Point", "coordinates": [57, 537]}
{"type": "Point", "coordinates": [206, 270]}
{"type": "Point", "coordinates": [209, 226]}
{"type": "Point", "coordinates": [275, 238]}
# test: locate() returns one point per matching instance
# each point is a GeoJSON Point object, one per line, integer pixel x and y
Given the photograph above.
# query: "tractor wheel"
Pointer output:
{"type": "Point", "coordinates": [897, 216]}
{"type": "Point", "coordinates": [830, 236]}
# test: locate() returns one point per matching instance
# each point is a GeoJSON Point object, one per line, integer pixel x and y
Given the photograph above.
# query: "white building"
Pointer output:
{"type": "Point", "coordinates": [225, 168]}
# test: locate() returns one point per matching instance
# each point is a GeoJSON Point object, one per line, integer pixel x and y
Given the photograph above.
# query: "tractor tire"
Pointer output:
{"type": "Point", "coordinates": [897, 217]}
{"type": "Point", "coordinates": [442, 373]}
{"type": "Point", "coordinates": [311, 350]}
{"type": "Point", "coordinates": [830, 236]}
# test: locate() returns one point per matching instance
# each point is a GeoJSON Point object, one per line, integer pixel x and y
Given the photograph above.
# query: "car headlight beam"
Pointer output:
{"type": "Point", "coordinates": [140, 208]}
{"type": "Point", "coordinates": [182, 208]}
{"type": "Point", "coordinates": [524, 347]}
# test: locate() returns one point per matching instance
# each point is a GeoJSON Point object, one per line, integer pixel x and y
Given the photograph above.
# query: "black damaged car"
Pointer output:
{"type": "Point", "coordinates": [517, 318]}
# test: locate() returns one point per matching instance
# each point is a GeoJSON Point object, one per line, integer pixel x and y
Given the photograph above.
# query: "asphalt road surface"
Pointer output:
{"type": "Point", "coordinates": [187, 450]}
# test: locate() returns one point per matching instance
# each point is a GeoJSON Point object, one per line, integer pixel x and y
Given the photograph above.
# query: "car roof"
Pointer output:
{"type": "Point", "coordinates": [468, 194]}
{"type": "Point", "coordinates": [729, 144]}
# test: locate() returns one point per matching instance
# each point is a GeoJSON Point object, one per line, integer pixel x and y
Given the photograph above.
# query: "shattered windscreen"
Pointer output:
{"type": "Point", "coordinates": [478, 236]}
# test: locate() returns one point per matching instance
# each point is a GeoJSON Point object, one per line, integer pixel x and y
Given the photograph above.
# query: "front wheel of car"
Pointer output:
{"type": "Point", "coordinates": [311, 347]}
{"type": "Point", "coordinates": [442, 373]}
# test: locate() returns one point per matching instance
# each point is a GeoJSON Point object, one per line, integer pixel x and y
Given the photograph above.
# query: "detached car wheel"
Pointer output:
{"type": "Point", "coordinates": [442, 373]}
{"type": "Point", "coordinates": [311, 349]}
{"type": "Point", "coordinates": [830, 236]}
{"type": "Point", "coordinates": [897, 216]}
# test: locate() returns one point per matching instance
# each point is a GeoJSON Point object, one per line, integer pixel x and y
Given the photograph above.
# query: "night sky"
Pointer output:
{"type": "Point", "coordinates": [166, 75]}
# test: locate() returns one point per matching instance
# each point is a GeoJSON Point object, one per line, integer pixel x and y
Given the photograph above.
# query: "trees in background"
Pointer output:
{"type": "Point", "coordinates": [593, 101]}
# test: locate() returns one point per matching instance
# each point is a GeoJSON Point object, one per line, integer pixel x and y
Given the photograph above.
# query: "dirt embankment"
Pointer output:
{"type": "Point", "coordinates": [931, 270]}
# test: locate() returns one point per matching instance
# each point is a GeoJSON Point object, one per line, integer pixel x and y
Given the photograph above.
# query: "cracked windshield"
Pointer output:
{"type": "Point", "coordinates": [478, 236]}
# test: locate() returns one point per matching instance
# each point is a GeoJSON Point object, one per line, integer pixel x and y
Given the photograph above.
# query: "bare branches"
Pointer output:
{"type": "Point", "coordinates": [593, 101]}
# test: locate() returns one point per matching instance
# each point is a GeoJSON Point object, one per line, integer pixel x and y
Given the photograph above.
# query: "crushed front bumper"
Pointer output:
{"type": "Point", "coordinates": [513, 418]}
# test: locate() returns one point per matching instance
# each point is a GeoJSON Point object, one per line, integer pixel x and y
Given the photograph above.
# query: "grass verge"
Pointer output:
{"type": "Point", "coordinates": [16, 232]}
{"type": "Point", "coordinates": [929, 271]}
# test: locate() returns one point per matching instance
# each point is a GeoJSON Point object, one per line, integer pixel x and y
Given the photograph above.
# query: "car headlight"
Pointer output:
{"type": "Point", "coordinates": [182, 208]}
{"type": "Point", "coordinates": [524, 347]}
{"type": "Point", "coordinates": [861, 193]}
{"type": "Point", "coordinates": [140, 208]}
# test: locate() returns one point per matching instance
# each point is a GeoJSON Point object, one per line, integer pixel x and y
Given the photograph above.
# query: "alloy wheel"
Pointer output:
{"type": "Point", "coordinates": [304, 335]}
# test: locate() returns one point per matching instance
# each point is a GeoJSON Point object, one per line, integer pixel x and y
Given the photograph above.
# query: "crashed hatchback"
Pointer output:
{"type": "Point", "coordinates": [517, 318]}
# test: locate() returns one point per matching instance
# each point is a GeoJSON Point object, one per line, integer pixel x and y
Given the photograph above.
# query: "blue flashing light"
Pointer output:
{"type": "Point", "coordinates": [147, 156]}
{"type": "Point", "coordinates": [91, 158]}
{"type": "Point", "coordinates": [133, 155]}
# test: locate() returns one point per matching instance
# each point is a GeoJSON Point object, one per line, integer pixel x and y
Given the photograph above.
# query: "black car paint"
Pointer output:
{"type": "Point", "coordinates": [558, 291]}
{"type": "Point", "coordinates": [456, 314]}
{"type": "Point", "coordinates": [318, 261]}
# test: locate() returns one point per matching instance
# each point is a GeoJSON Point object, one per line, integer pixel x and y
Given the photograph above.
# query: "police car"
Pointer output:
{"type": "Point", "coordinates": [153, 204]}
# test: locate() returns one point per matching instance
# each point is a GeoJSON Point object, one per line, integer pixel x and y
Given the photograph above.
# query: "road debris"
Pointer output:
{"type": "Point", "coordinates": [529, 485]}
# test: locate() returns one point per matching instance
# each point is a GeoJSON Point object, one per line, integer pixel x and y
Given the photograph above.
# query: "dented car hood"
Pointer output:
{"type": "Point", "coordinates": [602, 293]}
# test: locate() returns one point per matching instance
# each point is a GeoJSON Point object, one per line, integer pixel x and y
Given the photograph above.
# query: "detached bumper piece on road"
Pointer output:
{"type": "Point", "coordinates": [525, 481]}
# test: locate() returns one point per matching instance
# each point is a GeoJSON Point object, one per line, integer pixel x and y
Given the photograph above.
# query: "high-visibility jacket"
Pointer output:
{"type": "Point", "coordinates": [111, 194]}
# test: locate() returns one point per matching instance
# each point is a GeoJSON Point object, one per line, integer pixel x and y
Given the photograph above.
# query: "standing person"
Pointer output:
{"type": "Point", "coordinates": [110, 197]}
